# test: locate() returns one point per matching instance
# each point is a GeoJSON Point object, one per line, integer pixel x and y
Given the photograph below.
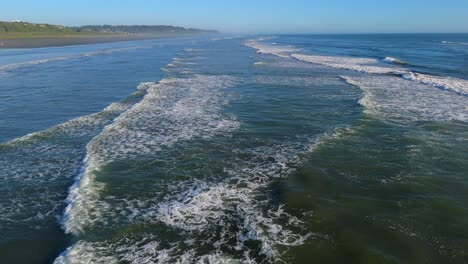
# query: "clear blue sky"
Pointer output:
{"type": "Point", "coordinates": [253, 16]}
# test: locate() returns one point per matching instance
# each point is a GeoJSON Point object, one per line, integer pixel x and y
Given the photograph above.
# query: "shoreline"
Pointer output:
{"type": "Point", "coordinates": [60, 41]}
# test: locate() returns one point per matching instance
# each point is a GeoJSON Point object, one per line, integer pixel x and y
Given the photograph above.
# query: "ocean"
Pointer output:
{"type": "Point", "coordinates": [236, 149]}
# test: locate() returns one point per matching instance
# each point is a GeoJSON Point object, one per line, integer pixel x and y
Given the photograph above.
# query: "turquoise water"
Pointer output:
{"type": "Point", "coordinates": [255, 149]}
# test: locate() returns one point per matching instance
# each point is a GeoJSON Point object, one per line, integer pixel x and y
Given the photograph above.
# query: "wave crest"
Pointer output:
{"type": "Point", "coordinates": [365, 65]}
{"type": "Point", "coordinates": [394, 61]}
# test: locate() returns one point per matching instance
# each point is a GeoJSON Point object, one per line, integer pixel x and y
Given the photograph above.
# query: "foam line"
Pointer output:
{"type": "Point", "coordinates": [278, 50]}
{"type": "Point", "coordinates": [459, 86]}
{"type": "Point", "coordinates": [42, 165]}
{"type": "Point", "coordinates": [365, 65]}
{"type": "Point", "coordinates": [399, 100]}
{"type": "Point", "coordinates": [394, 61]}
{"type": "Point", "coordinates": [228, 214]}
{"type": "Point", "coordinates": [61, 58]}
{"type": "Point", "coordinates": [173, 110]}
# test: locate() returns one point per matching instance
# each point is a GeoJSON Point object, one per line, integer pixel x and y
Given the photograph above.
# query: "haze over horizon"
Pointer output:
{"type": "Point", "coordinates": [274, 16]}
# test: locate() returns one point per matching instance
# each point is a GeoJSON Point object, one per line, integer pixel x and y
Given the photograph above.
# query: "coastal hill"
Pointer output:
{"type": "Point", "coordinates": [19, 34]}
{"type": "Point", "coordinates": [26, 29]}
{"type": "Point", "coordinates": [141, 29]}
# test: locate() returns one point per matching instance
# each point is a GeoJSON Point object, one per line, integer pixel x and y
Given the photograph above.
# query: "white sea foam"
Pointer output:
{"type": "Point", "coordinates": [397, 99]}
{"type": "Point", "coordinates": [330, 136]}
{"type": "Point", "coordinates": [454, 43]}
{"type": "Point", "coordinates": [42, 164]}
{"type": "Point", "coordinates": [225, 215]}
{"type": "Point", "coordinates": [229, 204]}
{"type": "Point", "coordinates": [142, 249]}
{"type": "Point", "coordinates": [365, 65]}
{"type": "Point", "coordinates": [68, 57]}
{"type": "Point", "coordinates": [182, 65]}
{"type": "Point", "coordinates": [281, 51]}
{"type": "Point", "coordinates": [173, 110]}
{"type": "Point", "coordinates": [348, 63]}
{"type": "Point", "coordinates": [453, 84]}
{"type": "Point", "coordinates": [34, 62]}
{"type": "Point", "coordinates": [393, 60]}
{"type": "Point", "coordinates": [230, 214]}
{"type": "Point", "coordinates": [193, 50]}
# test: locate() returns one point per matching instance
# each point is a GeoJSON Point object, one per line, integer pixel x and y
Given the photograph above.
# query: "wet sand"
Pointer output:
{"type": "Point", "coordinates": [41, 42]}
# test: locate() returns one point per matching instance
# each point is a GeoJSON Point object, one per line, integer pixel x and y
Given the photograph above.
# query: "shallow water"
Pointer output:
{"type": "Point", "coordinates": [315, 148]}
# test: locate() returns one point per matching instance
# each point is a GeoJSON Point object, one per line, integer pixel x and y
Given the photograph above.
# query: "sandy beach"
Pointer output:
{"type": "Point", "coordinates": [40, 42]}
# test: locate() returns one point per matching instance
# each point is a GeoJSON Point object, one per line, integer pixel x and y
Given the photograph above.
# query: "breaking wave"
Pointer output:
{"type": "Point", "coordinates": [171, 111]}
{"type": "Point", "coordinates": [41, 166]}
{"type": "Point", "coordinates": [395, 99]}
{"type": "Point", "coordinates": [365, 65]}
{"type": "Point", "coordinates": [227, 216]}
{"type": "Point", "coordinates": [280, 51]}
{"type": "Point", "coordinates": [454, 43]}
{"type": "Point", "coordinates": [394, 61]}
{"type": "Point", "coordinates": [232, 219]}
{"type": "Point", "coordinates": [61, 58]}
{"type": "Point", "coordinates": [348, 63]}
{"type": "Point", "coordinates": [459, 86]}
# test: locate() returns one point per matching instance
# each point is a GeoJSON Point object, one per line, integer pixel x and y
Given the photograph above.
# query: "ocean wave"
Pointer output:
{"type": "Point", "coordinates": [394, 61]}
{"type": "Point", "coordinates": [454, 43]}
{"type": "Point", "coordinates": [34, 62]}
{"type": "Point", "coordinates": [205, 206]}
{"type": "Point", "coordinates": [226, 217]}
{"type": "Point", "coordinates": [399, 100]}
{"type": "Point", "coordinates": [459, 86]}
{"type": "Point", "coordinates": [172, 110]}
{"type": "Point", "coordinates": [139, 249]}
{"type": "Point", "coordinates": [61, 58]}
{"type": "Point", "coordinates": [41, 166]}
{"type": "Point", "coordinates": [366, 65]}
{"type": "Point", "coordinates": [183, 63]}
{"type": "Point", "coordinates": [280, 51]}
{"type": "Point", "coordinates": [190, 50]}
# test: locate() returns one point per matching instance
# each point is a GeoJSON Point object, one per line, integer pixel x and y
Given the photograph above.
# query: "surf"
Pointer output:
{"type": "Point", "coordinates": [41, 166]}
{"type": "Point", "coordinates": [17, 65]}
{"type": "Point", "coordinates": [394, 61]}
{"type": "Point", "coordinates": [364, 65]}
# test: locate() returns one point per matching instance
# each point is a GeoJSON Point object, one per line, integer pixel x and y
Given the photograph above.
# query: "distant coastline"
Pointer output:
{"type": "Point", "coordinates": [21, 34]}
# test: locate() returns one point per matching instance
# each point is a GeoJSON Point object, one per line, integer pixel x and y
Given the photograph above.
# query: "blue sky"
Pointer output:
{"type": "Point", "coordinates": [252, 16]}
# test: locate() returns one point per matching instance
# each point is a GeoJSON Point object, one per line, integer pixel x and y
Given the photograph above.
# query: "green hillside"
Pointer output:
{"type": "Point", "coordinates": [13, 30]}
{"type": "Point", "coordinates": [25, 30]}
{"type": "Point", "coordinates": [24, 27]}
{"type": "Point", "coordinates": [140, 29]}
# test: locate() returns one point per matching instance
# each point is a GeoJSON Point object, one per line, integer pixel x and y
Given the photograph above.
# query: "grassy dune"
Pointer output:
{"type": "Point", "coordinates": [28, 35]}
{"type": "Point", "coordinates": [18, 30]}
